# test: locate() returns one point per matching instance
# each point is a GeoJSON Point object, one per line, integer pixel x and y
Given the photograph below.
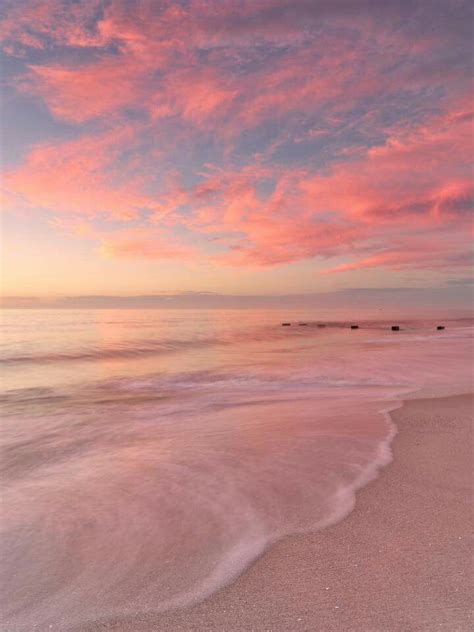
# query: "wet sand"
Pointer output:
{"type": "Point", "coordinates": [400, 561]}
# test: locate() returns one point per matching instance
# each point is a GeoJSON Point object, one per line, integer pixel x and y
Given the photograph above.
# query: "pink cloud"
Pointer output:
{"type": "Point", "coordinates": [155, 64]}
{"type": "Point", "coordinates": [34, 23]}
{"type": "Point", "coordinates": [79, 177]}
{"type": "Point", "coordinates": [420, 175]}
{"type": "Point", "coordinates": [85, 92]}
{"type": "Point", "coordinates": [434, 256]}
{"type": "Point", "coordinates": [366, 196]}
{"type": "Point", "coordinates": [188, 116]}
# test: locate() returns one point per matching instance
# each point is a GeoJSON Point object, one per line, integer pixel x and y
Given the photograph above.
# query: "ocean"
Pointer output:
{"type": "Point", "coordinates": [148, 457]}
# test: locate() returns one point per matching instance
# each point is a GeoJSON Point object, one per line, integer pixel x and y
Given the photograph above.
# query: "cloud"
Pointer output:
{"type": "Point", "coordinates": [426, 258]}
{"type": "Point", "coordinates": [85, 176]}
{"type": "Point", "coordinates": [38, 24]}
{"type": "Point", "coordinates": [266, 131]}
{"type": "Point", "coordinates": [420, 175]}
{"type": "Point", "coordinates": [82, 92]}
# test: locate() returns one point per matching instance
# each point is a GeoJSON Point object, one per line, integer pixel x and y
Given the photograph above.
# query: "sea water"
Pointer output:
{"type": "Point", "coordinates": [148, 457]}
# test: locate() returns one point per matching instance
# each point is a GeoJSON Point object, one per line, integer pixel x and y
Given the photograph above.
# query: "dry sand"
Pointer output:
{"type": "Point", "coordinates": [400, 561]}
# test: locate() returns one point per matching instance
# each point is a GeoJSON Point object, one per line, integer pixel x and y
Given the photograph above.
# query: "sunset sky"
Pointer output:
{"type": "Point", "coordinates": [235, 146]}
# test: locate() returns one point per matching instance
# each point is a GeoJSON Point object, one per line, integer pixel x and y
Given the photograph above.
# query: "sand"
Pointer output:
{"type": "Point", "coordinates": [400, 561]}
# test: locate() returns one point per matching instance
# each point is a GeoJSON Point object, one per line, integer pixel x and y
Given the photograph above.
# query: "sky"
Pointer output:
{"type": "Point", "coordinates": [236, 147]}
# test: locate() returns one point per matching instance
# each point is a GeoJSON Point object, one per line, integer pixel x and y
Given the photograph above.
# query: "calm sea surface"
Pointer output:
{"type": "Point", "coordinates": [149, 456]}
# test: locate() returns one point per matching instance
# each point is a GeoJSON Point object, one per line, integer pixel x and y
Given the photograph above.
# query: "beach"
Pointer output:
{"type": "Point", "coordinates": [175, 470]}
{"type": "Point", "coordinates": [400, 561]}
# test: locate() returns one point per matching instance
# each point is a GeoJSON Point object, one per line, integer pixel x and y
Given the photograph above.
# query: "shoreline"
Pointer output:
{"type": "Point", "coordinates": [398, 561]}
